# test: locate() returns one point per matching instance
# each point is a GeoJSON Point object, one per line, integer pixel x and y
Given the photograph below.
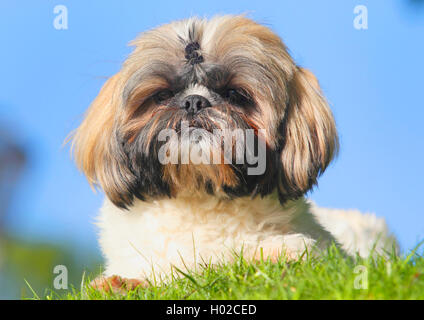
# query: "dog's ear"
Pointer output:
{"type": "Point", "coordinates": [96, 147]}
{"type": "Point", "coordinates": [310, 136]}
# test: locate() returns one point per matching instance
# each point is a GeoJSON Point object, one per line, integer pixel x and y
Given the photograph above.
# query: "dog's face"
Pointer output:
{"type": "Point", "coordinates": [217, 77]}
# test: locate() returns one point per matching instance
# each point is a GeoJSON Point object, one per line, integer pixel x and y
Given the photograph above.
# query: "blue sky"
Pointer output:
{"type": "Point", "coordinates": [372, 78]}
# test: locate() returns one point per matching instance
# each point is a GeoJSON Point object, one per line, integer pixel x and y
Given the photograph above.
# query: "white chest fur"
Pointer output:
{"type": "Point", "coordinates": [186, 231]}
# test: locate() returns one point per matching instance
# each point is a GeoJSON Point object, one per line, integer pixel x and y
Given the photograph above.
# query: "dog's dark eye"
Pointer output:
{"type": "Point", "coordinates": [163, 95]}
{"type": "Point", "coordinates": [238, 97]}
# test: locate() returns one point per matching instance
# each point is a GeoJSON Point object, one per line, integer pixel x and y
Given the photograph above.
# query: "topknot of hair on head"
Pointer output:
{"type": "Point", "coordinates": [191, 53]}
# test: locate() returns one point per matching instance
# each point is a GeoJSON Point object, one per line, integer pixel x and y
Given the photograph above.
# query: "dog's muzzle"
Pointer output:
{"type": "Point", "coordinates": [194, 103]}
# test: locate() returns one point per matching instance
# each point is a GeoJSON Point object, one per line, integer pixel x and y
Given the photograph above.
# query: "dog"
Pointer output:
{"type": "Point", "coordinates": [199, 81]}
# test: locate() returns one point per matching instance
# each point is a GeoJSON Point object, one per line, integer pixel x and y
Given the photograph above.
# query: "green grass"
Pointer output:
{"type": "Point", "coordinates": [330, 276]}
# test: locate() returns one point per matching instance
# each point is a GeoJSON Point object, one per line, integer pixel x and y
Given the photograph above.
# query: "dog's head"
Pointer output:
{"type": "Point", "coordinates": [210, 82]}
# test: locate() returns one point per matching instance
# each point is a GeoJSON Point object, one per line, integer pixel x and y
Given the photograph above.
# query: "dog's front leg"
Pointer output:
{"type": "Point", "coordinates": [117, 284]}
{"type": "Point", "coordinates": [290, 247]}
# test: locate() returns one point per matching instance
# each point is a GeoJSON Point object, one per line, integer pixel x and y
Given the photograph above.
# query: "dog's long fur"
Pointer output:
{"type": "Point", "coordinates": [159, 215]}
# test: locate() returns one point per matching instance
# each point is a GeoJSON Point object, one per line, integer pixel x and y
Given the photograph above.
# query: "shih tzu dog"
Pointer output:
{"type": "Point", "coordinates": [205, 143]}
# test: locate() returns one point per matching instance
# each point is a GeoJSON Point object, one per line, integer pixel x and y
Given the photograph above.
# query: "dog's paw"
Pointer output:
{"type": "Point", "coordinates": [276, 254]}
{"type": "Point", "coordinates": [117, 284]}
{"type": "Point", "coordinates": [293, 248]}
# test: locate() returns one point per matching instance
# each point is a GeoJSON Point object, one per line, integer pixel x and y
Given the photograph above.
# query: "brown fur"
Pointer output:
{"type": "Point", "coordinates": [288, 104]}
{"type": "Point", "coordinates": [310, 135]}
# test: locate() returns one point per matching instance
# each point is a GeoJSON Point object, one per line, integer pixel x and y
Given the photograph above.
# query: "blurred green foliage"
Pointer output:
{"type": "Point", "coordinates": [34, 261]}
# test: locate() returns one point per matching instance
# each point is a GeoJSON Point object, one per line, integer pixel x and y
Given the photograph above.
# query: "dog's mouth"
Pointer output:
{"type": "Point", "coordinates": [199, 121]}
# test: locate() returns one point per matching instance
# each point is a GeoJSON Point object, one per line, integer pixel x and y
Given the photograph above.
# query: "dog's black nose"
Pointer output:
{"type": "Point", "coordinates": [194, 103]}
